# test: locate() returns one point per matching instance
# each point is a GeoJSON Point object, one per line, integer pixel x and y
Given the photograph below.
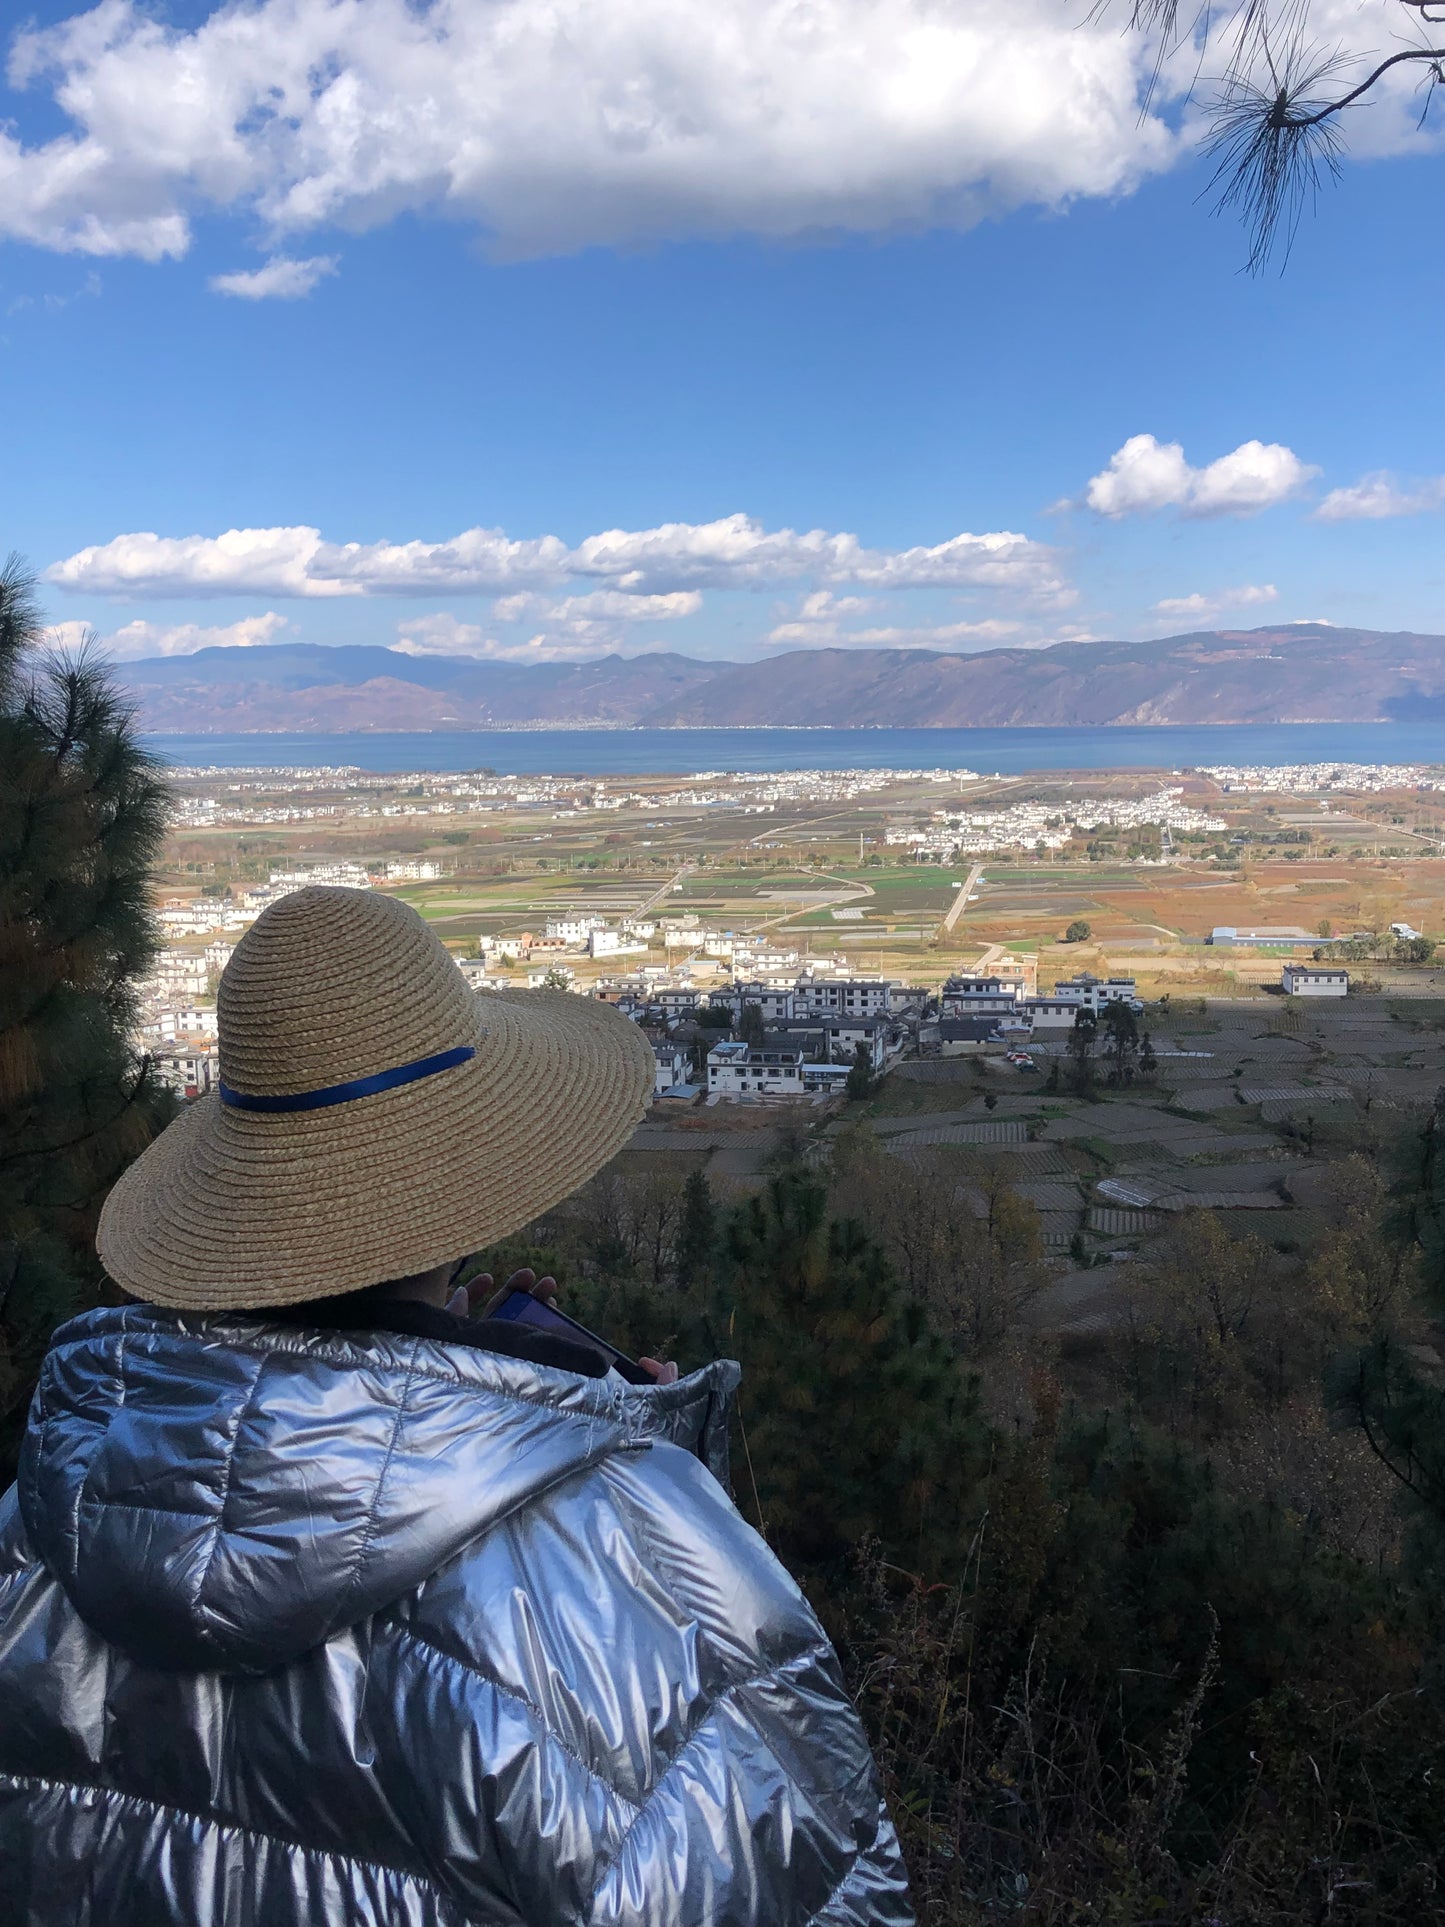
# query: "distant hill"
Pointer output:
{"type": "Point", "coordinates": [1300, 673]}
{"type": "Point", "coordinates": [304, 686]}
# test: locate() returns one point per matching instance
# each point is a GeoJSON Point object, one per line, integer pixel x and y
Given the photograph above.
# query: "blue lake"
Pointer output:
{"type": "Point", "coordinates": [648, 752]}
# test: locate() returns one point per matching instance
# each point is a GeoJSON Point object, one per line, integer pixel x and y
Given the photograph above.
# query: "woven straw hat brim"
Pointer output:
{"type": "Point", "coordinates": [232, 1208]}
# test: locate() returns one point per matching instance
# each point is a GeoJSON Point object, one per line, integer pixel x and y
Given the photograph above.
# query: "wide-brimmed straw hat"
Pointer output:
{"type": "Point", "coordinates": [375, 1117]}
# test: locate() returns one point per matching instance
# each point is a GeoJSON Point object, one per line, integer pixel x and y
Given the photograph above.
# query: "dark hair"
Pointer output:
{"type": "Point", "coordinates": [347, 1311]}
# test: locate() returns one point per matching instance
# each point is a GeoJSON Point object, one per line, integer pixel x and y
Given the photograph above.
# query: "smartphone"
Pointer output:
{"type": "Point", "coordinates": [521, 1308]}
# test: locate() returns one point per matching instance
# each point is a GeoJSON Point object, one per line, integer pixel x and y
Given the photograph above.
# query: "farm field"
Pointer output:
{"type": "Point", "coordinates": [823, 879]}
{"type": "Point", "coordinates": [1256, 1108]}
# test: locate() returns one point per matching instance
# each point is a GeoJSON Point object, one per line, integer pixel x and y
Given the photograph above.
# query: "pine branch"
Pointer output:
{"type": "Point", "coordinates": [21, 625]}
{"type": "Point", "coordinates": [1274, 130]}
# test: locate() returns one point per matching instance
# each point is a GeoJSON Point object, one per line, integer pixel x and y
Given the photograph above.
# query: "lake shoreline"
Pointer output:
{"type": "Point", "coordinates": [1012, 751]}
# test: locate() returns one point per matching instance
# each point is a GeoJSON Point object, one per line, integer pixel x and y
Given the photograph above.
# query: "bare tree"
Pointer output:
{"type": "Point", "coordinates": [960, 1238]}
{"type": "Point", "coordinates": [1277, 111]}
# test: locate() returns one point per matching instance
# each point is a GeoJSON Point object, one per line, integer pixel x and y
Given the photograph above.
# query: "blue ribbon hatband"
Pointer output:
{"type": "Point", "coordinates": [347, 1093]}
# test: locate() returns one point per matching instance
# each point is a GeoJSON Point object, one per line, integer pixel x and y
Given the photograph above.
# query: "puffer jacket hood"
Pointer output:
{"type": "Point", "coordinates": [302, 1629]}
{"type": "Point", "coordinates": [215, 1501]}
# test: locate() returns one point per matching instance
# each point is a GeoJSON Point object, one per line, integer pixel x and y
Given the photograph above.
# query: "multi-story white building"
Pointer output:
{"type": "Point", "coordinates": [673, 1067]}
{"type": "Point", "coordinates": [847, 996]}
{"type": "Point", "coordinates": [176, 976]}
{"type": "Point", "coordinates": [778, 1003]}
{"type": "Point", "coordinates": [574, 929]}
{"type": "Point", "coordinates": [676, 1001]}
{"type": "Point", "coordinates": [843, 1035]}
{"type": "Point", "coordinates": [187, 1022]}
{"type": "Point", "coordinates": [1047, 1013]}
{"type": "Point", "coordinates": [188, 1071]}
{"type": "Point", "coordinates": [1095, 992]}
{"type": "Point", "coordinates": [735, 1069]}
{"type": "Point", "coordinates": [195, 919]}
{"type": "Point", "coordinates": [978, 996]}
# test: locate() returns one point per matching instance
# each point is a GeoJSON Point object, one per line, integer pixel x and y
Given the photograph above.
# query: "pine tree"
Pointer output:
{"type": "Point", "coordinates": [750, 1025]}
{"type": "Point", "coordinates": [1081, 1049]}
{"type": "Point", "coordinates": [696, 1231]}
{"type": "Point", "coordinates": [860, 1423]}
{"type": "Point", "coordinates": [82, 812]}
{"type": "Point", "coordinates": [1121, 1042]}
{"type": "Point", "coordinates": [860, 1074]}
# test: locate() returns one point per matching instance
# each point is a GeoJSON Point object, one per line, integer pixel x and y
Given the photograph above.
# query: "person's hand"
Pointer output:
{"type": "Point", "coordinates": [481, 1291]}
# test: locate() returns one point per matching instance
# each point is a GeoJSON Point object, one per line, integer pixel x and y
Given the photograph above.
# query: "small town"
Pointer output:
{"type": "Point", "coordinates": [833, 968]}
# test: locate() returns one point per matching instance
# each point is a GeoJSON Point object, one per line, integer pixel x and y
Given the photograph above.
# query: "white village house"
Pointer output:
{"type": "Point", "coordinates": [673, 1069]}
{"type": "Point", "coordinates": [736, 1069]}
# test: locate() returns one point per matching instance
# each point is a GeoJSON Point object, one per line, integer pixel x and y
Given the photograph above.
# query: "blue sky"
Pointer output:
{"type": "Point", "coordinates": [954, 336]}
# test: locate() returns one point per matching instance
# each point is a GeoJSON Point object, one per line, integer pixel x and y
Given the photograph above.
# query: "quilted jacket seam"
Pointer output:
{"type": "Point", "coordinates": [819, 1646]}
{"type": "Point", "coordinates": [149, 1505]}
{"type": "Point", "coordinates": [358, 1565]}
{"type": "Point", "coordinates": [736, 1686]}
{"type": "Point", "coordinates": [414, 1371]}
{"type": "Point", "coordinates": [413, 1638]}
{"type": "Point", "coordinates": [111, 1794]}
{"type": "Point", "coordinates": [84, 1485]}
{"type": "Point", "coordinates": [224, 1492]}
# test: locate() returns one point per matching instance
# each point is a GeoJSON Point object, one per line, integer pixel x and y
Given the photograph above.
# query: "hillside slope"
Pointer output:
{"type": "Point", "coordinates": [304, 686]}
{"type": "Point", "coordinates": [1301, 673]}
{"type": "Point", "coordinates": [1297, 674]}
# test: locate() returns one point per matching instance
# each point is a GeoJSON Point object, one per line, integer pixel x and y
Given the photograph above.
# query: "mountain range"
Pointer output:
{"type": "Point", "coordinates": [1294, 673]}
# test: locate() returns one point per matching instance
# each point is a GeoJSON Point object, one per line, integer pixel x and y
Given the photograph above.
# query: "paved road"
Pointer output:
{"type": "Point", "coordinates": [956, 907]}
{"type": "Point", "coordinates": [848, 891]}
{"type": "Point", "coordinates": [666, 890]}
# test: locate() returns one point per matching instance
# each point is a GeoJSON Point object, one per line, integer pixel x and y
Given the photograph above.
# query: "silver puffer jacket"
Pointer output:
{"type": "Point", "coordinates": [298, 1630]}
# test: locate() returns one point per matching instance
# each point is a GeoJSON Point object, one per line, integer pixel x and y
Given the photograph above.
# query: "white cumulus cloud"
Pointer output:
{"type": "Point", "coordinates": [557, 124]}
{"type": "Point", "coordinates": [676, 558]}
{"type": "Point", "coordinates": [823, 606]}
{"type": "Point", "coordinates": [567, 627]}
{"type": "Point", "coordinates": [443, 635]}
{"type": "Point", "coordinates": [1147, 475]}
{"type": "Point", "coordinates": [820, 622]}
{"type": "Point", "coordinates": [136, 639]}
{"type": "Point", "coordinates": [599, 605]}
{"type": "Point", "coordinates": [1380, 496]}
{"type": "Point", "coordinates": [281, 278]}
{"type": "Point", "coordinates": [824, 630]}
{"type": "Point", "coordinates": [1202, 608]}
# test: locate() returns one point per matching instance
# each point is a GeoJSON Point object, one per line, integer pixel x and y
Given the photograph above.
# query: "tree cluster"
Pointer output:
{"type": "Point", "coordinates": [1374, 947]}
{"type": "Point", "coordinates": [82, 812]}
{"type": "Point", "coordinates": [1139, 1630]}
